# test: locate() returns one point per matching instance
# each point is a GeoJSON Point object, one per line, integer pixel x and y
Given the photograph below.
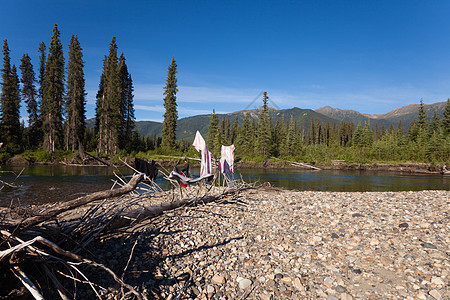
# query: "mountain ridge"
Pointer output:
{"type": "Point", "coordinates": [186, 127]}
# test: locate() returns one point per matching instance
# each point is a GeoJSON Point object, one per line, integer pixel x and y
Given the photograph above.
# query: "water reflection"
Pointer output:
{"type": "Point", "coordinates": [347, 181]}
{"type": "Point", "coordinates": [41, 184]}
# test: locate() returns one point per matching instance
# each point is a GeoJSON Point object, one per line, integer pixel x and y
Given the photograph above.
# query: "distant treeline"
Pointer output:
{"type": "Point", "coordinates": [424, 141]}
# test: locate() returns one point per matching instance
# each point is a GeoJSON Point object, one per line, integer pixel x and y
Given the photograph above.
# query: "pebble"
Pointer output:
{"type": "Point", "coordinates": [210, 289]}
{"type": "Point", "coordinates": [429, 246]}
{"type": "Point", "coordinates": [244, 283]}
{"type": "Point", "coordinates": [403, 225]}
{"type": "Point", "coordinates": [340, 289]}
{"type": "Point", "coordinates": [435, 294]}
{"type": "Point", "coordinates": [217, 279]}
{"type": "Point", "coordinates": [281, 244]}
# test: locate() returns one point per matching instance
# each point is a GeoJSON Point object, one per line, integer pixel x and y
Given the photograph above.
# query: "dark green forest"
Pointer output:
{"type": "Point", "coordinates": [55, 101]}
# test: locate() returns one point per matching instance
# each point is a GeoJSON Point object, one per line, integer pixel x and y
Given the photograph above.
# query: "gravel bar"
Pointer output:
{"type": "Point", "coordinates": [270, 243]}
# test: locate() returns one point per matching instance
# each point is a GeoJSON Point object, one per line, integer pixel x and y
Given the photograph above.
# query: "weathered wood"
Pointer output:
{"type": "Point", "coordinates": [98, 159]}
{"type": "Point", "coordinates": [28, 284]}
{"type": "Point", "coordinates": [51, 213]}
{"type": "Point", "coordinates": [140, 214]}
{"type": "Point", "coordinates": [60, 251]}
{"type": "Point", "coordinates": [298, 164]}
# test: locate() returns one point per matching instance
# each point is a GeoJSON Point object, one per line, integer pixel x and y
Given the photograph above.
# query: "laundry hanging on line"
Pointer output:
{"type": "Point", "coordinates": [226, 165]}
{"type": "Point", "coordinates": [200, 145]}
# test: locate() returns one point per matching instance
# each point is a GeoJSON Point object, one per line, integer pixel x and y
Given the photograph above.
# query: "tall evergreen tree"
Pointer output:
{"type": "Point", "coordinates": [421, 117]}
{"type": "Point", "coordinates": [213, 132]}
{"type": "Point", "coordinates": [10, 130]}
{"type": "Point", "coordinates": [53, 94]}
{"type": "Point", "coordinates": [28, 89]}
{"type": "Point", "coordinates": [99, 102]}
{"type": "Point", "coordinates": [108, 105]}
{"type": "Point", "coordinates": [435, 124]}
{"type": "Point", "coordinates": [76, 97]}
{"type": "Point", "coordinates": [289, 142]}
{"type": "Point", "coordinates": [234, 130]}
{"type": "Point", "coordinates": [30, 96]}
{"type": "Point", "coordinates": [225, 130]}
{"type": "Point", "coordinates": [126, 104]}
{"type": "Point", "coordinates": [170, 104]}
{"type": "Point", "coordinates": [446, 118]}
{"type": "Point", "coordinates": [263, 137]}
{"type": "Point", "coordinates": [42, 61]}
{"type": "Point", "coordinates": [244, 140]}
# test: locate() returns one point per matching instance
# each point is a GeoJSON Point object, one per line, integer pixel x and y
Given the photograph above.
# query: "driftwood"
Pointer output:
{"type": "Point", "coordinates": [142, 213]}
{"type": "Point", "coordinates": [28, 246]}
{"type": "Point", "coordinates": [101, 217]}
{"type": "Point", "coordinates": [49, 214]}
{"type": "Point", "coordinates": [9, 184]}
{"type": "Point", "coordinates": [299, 164]}
{"type": "Point", "coordinates": [98, 159]}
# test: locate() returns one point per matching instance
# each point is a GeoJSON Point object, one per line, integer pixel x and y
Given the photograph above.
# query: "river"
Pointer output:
{"type": "Point", "coordinates": [50, 183]}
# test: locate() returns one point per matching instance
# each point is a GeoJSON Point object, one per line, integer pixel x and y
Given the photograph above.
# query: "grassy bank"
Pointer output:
{"type": "Point", "coordinates": [169, 159]}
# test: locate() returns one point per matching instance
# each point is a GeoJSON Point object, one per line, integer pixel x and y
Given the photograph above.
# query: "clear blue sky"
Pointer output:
{"type": "Point", "coordinates": [370, 56]}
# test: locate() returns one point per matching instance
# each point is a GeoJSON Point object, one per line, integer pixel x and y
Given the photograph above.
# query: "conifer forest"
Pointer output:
{"type": "Point", "coordinates": [55, 101]}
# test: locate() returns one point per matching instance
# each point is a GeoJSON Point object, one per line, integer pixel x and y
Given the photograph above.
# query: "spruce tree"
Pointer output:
{"type": "Point", "coordinates": [244, 139]}
{"type": "Point", "coordinates": [289, 142]}
{"type": "Point", "coordinates": [42, 61]}
{"type": "Point", "coordinates": [234, 130]}
{"type": "Point", "coordinates": [53, 94]}
{"type": "Point", "coordinates": [446, 119]}
{"type": "Point", "coordinates": [170, 104]}
{"type": "Point", "coordinates": [263, 137]}
{"type": "Point", "coordinates": [126, 105]}
{"type": "Point", "coordinates": [99, 102]}
{"type": "Point", "coordinates": [435, 124]}
{"type": "Point", "coordinates": [213, 132]}
{"type": "Point", "coordinates": [10, 130]}
{"type": "Point", "coordinates": [108, 104]}
{"type": "Point", "coordinates": [421, 117]}
{"type": "Point", "coordinates": [76, 97]}
{"type": "Point", "coordinates": [225, 130]}
{"type": "Point", "coordinates": [30, 96]}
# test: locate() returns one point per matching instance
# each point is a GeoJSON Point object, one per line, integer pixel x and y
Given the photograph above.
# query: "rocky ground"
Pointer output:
{"type": "Point", "coordinates": [276, 244]}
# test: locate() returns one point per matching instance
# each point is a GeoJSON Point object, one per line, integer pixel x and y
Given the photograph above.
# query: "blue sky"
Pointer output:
{"type": "Point", "coordinates": [370, 56]}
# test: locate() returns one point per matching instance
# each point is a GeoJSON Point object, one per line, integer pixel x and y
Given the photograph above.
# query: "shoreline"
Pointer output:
{"type": "Point", "coordinates": [403, 167]}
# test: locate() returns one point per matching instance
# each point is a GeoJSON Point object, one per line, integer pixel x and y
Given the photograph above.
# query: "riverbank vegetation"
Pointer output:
{"type": "Point", "coordinates": [56, 128]}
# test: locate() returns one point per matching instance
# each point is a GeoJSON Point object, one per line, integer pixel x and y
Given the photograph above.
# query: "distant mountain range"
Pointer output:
{"type": "Point", "coordinates": [186, 127]}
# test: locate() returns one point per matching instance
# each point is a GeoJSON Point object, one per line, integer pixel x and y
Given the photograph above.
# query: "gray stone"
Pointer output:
{"type": "Point", "coordinates": [340, 289]}
{"type": "Point", "coordinates": [210, 289]}
{"type": "Point", "coordinates": [245, 283]}
{"type": "Point", "coordinates": [435, 294]}
{"type": "Point", "coordinates": [429, 246]}
{"type": "Point", "coordinates": [403, 225]}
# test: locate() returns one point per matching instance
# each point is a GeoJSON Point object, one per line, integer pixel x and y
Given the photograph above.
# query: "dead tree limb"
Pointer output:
{"type": "Point", "coordinates": [7, 253]}
{"type": "Point", "coordinates": [142, 213]}
{"type": "Point", "coordinates": [28, 284]}
{"type": "Point", "coordinates": [98, 159]}
{"type": "Point", "coordinates": [32, 221]}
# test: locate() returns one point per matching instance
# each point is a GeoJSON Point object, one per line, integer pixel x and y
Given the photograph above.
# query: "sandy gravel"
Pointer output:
{"type": "Point", "coordinates": [277, 244]}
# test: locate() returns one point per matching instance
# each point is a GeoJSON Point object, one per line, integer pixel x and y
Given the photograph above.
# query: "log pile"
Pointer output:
{"type": "Point", "coordinates": [47, 252]}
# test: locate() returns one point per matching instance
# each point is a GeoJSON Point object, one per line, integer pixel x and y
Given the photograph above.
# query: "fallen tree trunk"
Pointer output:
{"type": "Point", "coordinates": [138, 215]}
{"type": "Point", "coordinates": [51, 213]}
{"type": "Point", "coordinates": [98, 159]}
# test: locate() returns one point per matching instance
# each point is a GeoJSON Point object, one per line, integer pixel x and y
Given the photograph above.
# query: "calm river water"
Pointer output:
{"type": "Point", "coordinates": [41, 184]}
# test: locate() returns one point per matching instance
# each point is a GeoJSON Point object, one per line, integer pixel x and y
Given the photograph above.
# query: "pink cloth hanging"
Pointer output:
{"type": "Point", "coordinates": [200, 145]}
{"type": "Point", "coordinates": [227, 159]}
